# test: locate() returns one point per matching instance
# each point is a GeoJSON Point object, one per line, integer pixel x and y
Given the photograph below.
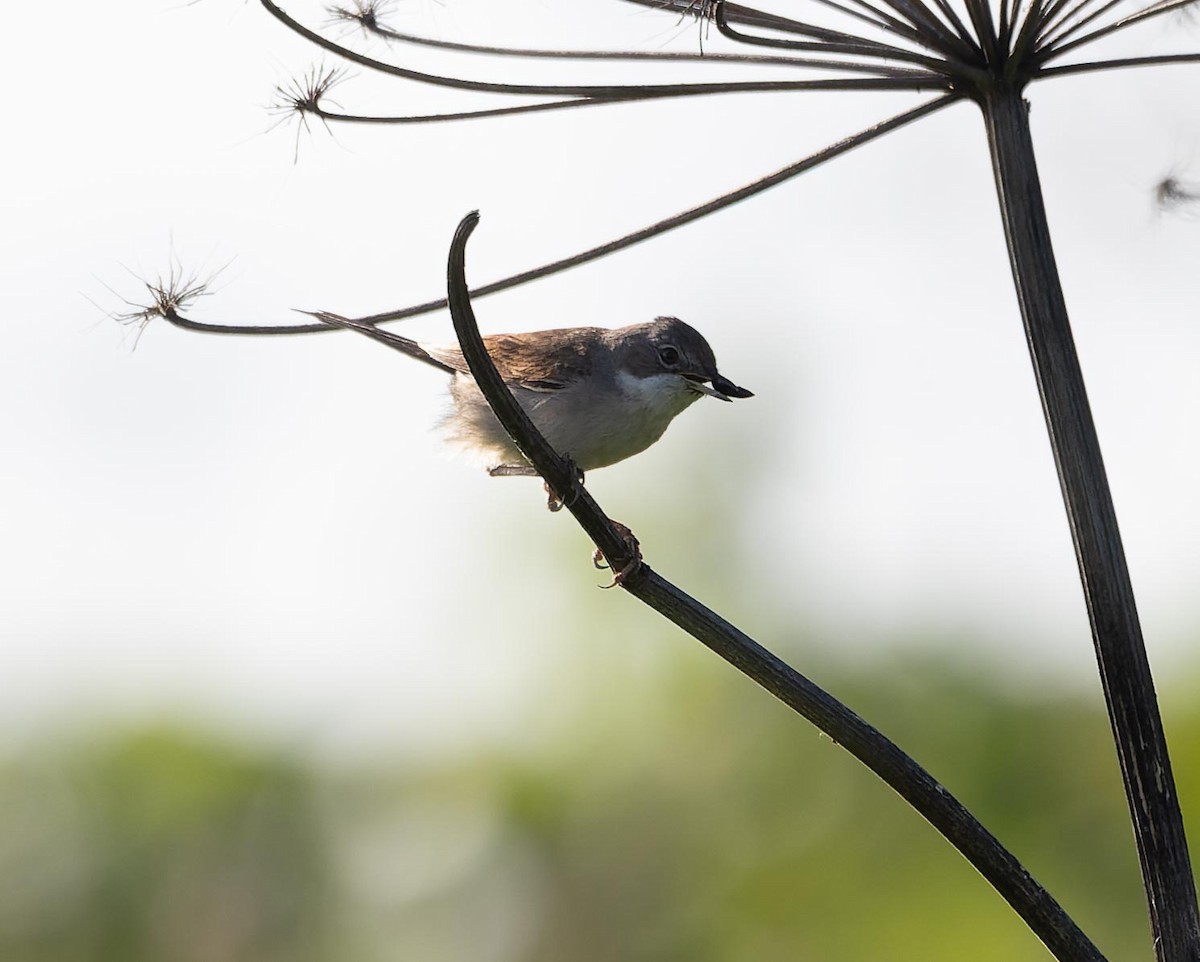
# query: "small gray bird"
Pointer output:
{"type": "Point", "coordinates": [599, 396]}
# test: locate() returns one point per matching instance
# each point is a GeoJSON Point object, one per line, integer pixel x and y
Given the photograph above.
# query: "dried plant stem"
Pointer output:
{"type": "Point", "coordinates": [870, 746]}
{"type": "Point", "coordinates": [1124, 667]}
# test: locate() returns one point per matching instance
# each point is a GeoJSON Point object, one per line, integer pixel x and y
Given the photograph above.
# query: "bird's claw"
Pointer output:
{"type": "Point", "coordinates": [635, 556]}
{"type": "Point", "coordinates": [556, 503]}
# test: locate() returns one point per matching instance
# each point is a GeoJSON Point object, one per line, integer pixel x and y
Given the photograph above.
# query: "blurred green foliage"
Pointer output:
{"type": "Point", "coordinates": [701, 822]}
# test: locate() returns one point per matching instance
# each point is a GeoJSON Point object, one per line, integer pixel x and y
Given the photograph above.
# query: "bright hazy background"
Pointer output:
{"type": "Point", "coordinates": [281, 680]}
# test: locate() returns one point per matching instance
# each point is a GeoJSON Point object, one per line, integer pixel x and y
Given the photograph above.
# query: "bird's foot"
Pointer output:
{"type": "Point", "coordinates": [512, 471]}
{"type": "Point", "coordinates": [635, 555]}
{"type": "Point", "coordinates": [554, 501]}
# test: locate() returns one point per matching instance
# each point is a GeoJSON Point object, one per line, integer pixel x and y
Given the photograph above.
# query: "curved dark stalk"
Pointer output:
{"type": "Point", "coordinates": [596, 91]}
{"type": "Point", "coordinates": [1116, 632]}
{"type": "Point", "coordinates": [333, 115]}
{"type": "Point", "coordinates": [387, 33]}
{"type": "Point", "coordinates": [863, 48]}
{"type": "Point", "coordinates": [172, 316]}
{"type": "Point", "coordinates": [900, 80]}
{"type": "Point", "coordinates": [620, 243]}
{"type": "Point", "coordinates": [870, 746]}
{"type": "Point", "coordinates": [1170, 58]}
{"type": "Point", "coordinates": [891, 79]}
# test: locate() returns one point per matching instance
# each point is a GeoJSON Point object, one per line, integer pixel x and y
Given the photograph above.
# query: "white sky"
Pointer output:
{"type": "Point", "coordinates": [264, 531]}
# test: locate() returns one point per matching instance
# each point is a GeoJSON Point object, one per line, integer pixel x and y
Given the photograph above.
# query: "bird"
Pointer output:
{"type": "Point", "coordinates": [598, 395]}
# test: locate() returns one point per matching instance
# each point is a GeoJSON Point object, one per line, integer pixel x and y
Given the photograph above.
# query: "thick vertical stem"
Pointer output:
{"type": "Point", "coordinates": [1124, 668]}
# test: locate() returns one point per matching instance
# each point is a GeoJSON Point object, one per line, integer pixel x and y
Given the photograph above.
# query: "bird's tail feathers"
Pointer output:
{"type": "Point", "coordinates": [403, 344]}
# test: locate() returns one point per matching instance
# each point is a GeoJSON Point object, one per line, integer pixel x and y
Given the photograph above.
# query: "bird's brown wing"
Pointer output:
{"type": "Point", "coordinates": [545, 361]}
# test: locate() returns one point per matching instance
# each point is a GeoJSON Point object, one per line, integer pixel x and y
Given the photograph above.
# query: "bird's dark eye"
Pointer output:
{"type": "Point", "coordinates": [668, 355]}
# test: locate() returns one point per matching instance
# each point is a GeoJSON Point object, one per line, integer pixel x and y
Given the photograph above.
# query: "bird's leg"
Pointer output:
{"type": "Point", "coordinates": [556, 503]}
{"type": "Point", "coordinates": [635, 555]}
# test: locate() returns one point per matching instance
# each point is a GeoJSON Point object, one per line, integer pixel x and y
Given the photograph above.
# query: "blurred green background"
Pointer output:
{"type": "Point", "coordinates": [690, 817]}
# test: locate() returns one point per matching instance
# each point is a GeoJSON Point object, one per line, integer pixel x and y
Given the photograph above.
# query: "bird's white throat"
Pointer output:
{"type": "Point", "coordinates": [658, 397]}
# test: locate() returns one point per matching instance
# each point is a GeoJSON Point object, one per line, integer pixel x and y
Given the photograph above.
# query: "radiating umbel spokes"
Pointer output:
{"type": "Point", "coordinates": [961, 46]}
{"type": "Point", "coordinates": [960, 40]}
{"type": "Point", "coordinates": [958, 48]}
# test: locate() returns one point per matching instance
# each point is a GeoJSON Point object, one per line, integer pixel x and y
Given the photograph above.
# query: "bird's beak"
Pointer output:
{"type": "Point", "coordinates": [721, 388]}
